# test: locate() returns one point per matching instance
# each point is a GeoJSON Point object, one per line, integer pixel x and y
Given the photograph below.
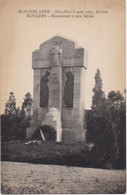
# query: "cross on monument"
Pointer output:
{"type": "Point", "coordinates": [56, 52]}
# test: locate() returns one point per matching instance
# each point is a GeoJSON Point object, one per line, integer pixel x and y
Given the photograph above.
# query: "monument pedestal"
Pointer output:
{"type": "Point", "coordinates": [73, 135]}
{"type": "Point", "coordinates": [53, 119]}
{"type": "Point", "coordinates": [33, 126]}
{"type": "Point", "coordinates": [30, 132]}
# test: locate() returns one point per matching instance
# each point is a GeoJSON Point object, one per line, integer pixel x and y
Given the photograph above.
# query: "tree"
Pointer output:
{"type": "Point", "coordinates": [15, 121]}
{"type": "Point", "coordinates": [105, 140]}
{"type": "Point", "coordinates": [122, 136]}
{"type": "Point", "coordinates": [102, 129]}
{"type": "Point", "coordinates": [98, 106]}
{"type": "Point", "coordinates": [99, 96]}
{"type": "Point", "coordinates": [117, 114]}
{"type": "Point", "coordinates": [10, 106]}
{"type": "Point", "coordinates": [9, 119]}
{"type": "Point", "coordinates": [115, 104]}
{"type": "Point", "coordinates": [26, 113]}
{"type": "Point", "coordinates": [27, 106]}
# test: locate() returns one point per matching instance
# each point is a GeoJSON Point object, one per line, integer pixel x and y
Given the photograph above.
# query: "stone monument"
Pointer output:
{"type": "Point", "coordinates": [59, 79]}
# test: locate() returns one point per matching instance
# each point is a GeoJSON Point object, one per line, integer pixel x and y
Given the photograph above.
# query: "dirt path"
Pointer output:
{"type": "Point", "coordinates": [24, 178]}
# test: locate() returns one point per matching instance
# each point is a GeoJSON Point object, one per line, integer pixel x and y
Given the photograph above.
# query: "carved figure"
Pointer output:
{"type": "Point", "coordinates": [44, 90]}
{"type": "Point", "coordinates": [68, 90]}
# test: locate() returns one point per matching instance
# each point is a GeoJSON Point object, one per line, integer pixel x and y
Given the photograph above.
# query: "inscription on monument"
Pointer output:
{"type": "Point", "coordinates": [54, 78]}
{"type": "Point", "coordinates": [56, 42]}
{"type": "Point", "coordinates": [55, 93]}
{"type": "Point", "coordinates": [71, 56]}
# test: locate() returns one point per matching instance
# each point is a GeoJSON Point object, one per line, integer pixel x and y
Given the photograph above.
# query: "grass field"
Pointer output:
{"type": "Point", "coordinates": [38, 178]}
{"type": "Point", "coordinates": [26, 178]}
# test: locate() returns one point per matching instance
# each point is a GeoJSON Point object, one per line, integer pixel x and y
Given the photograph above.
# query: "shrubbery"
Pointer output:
{"type": "Point", "coordinates": [106, 126]}
{"type": "Point", "coordinates": [108, 135]}
{"type": "Point", "coordinates": [15, 120]}
{"type": "Point", "coordinates": [48, 131]}
{"type": "Point", "coordinates": [79, 154]}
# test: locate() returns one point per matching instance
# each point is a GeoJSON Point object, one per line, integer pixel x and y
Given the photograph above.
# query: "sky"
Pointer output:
{"type": "Point", "coordinates": [103, 36]}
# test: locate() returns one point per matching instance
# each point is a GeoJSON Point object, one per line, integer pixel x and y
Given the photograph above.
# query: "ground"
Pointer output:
{"type": "Point", "coordinates": [24, 178]}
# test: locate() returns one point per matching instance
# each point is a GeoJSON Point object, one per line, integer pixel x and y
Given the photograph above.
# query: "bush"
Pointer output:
{"type": "Point", "coordinates": [13, 127]}
{"type": "Point", "coordinates": [15, 120]}
{"type": "Point", "coordinates": [49, 153]}
{"type": "Point", "coordinates": [48, 131]}
{"type": "Point", "coordinates": [79, 154]}
{"type": "Point", "coordinates": [103, 134]}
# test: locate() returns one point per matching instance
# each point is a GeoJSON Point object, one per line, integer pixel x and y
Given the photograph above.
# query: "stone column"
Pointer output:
{"type": "Point", "coordinates": [36, 94]}
{"type": "Point", "coordinates": [73, 123]}
{"type": "Point", "coordinates": [55, 88]}
{"type": "Point", "coordinates": [36, 103]}
{"type": "Point", "coordinates": [55, 92]}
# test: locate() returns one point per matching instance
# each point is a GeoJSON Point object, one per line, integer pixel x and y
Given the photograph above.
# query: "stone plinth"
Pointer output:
{"type": "Point", "coordinates": [61, 66]}
{"type": "Point", "coordinates": [73, 135]}
{"type": "Point", "coordinates": [53, 119]}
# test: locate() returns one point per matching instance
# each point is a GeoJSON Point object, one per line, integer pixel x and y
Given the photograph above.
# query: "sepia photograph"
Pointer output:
{"type": "Point", "coordinates": [63, 96]}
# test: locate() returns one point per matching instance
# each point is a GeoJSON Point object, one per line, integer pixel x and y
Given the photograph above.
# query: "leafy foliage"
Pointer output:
{"type": "Point", "coordinates": [27, 105]}
{"type": "Point", "coordinates": [79, 154]}
{"type": "Point", "coordinates": [106, 126]}
{"type": "Point", "coordinates": [48, 131]}
{"type": "Point", "coordinates": [15, 121]}
{"type": "Point", "coordinates": [10, 106]}
{"type": "Point", "coordinates": [99, 96]}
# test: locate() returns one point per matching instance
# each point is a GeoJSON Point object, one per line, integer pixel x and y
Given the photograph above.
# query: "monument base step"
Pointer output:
{"type": "Point", "coordinates": [68, 135]}
{"type": "Point", "coordinates": [73, 135]}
